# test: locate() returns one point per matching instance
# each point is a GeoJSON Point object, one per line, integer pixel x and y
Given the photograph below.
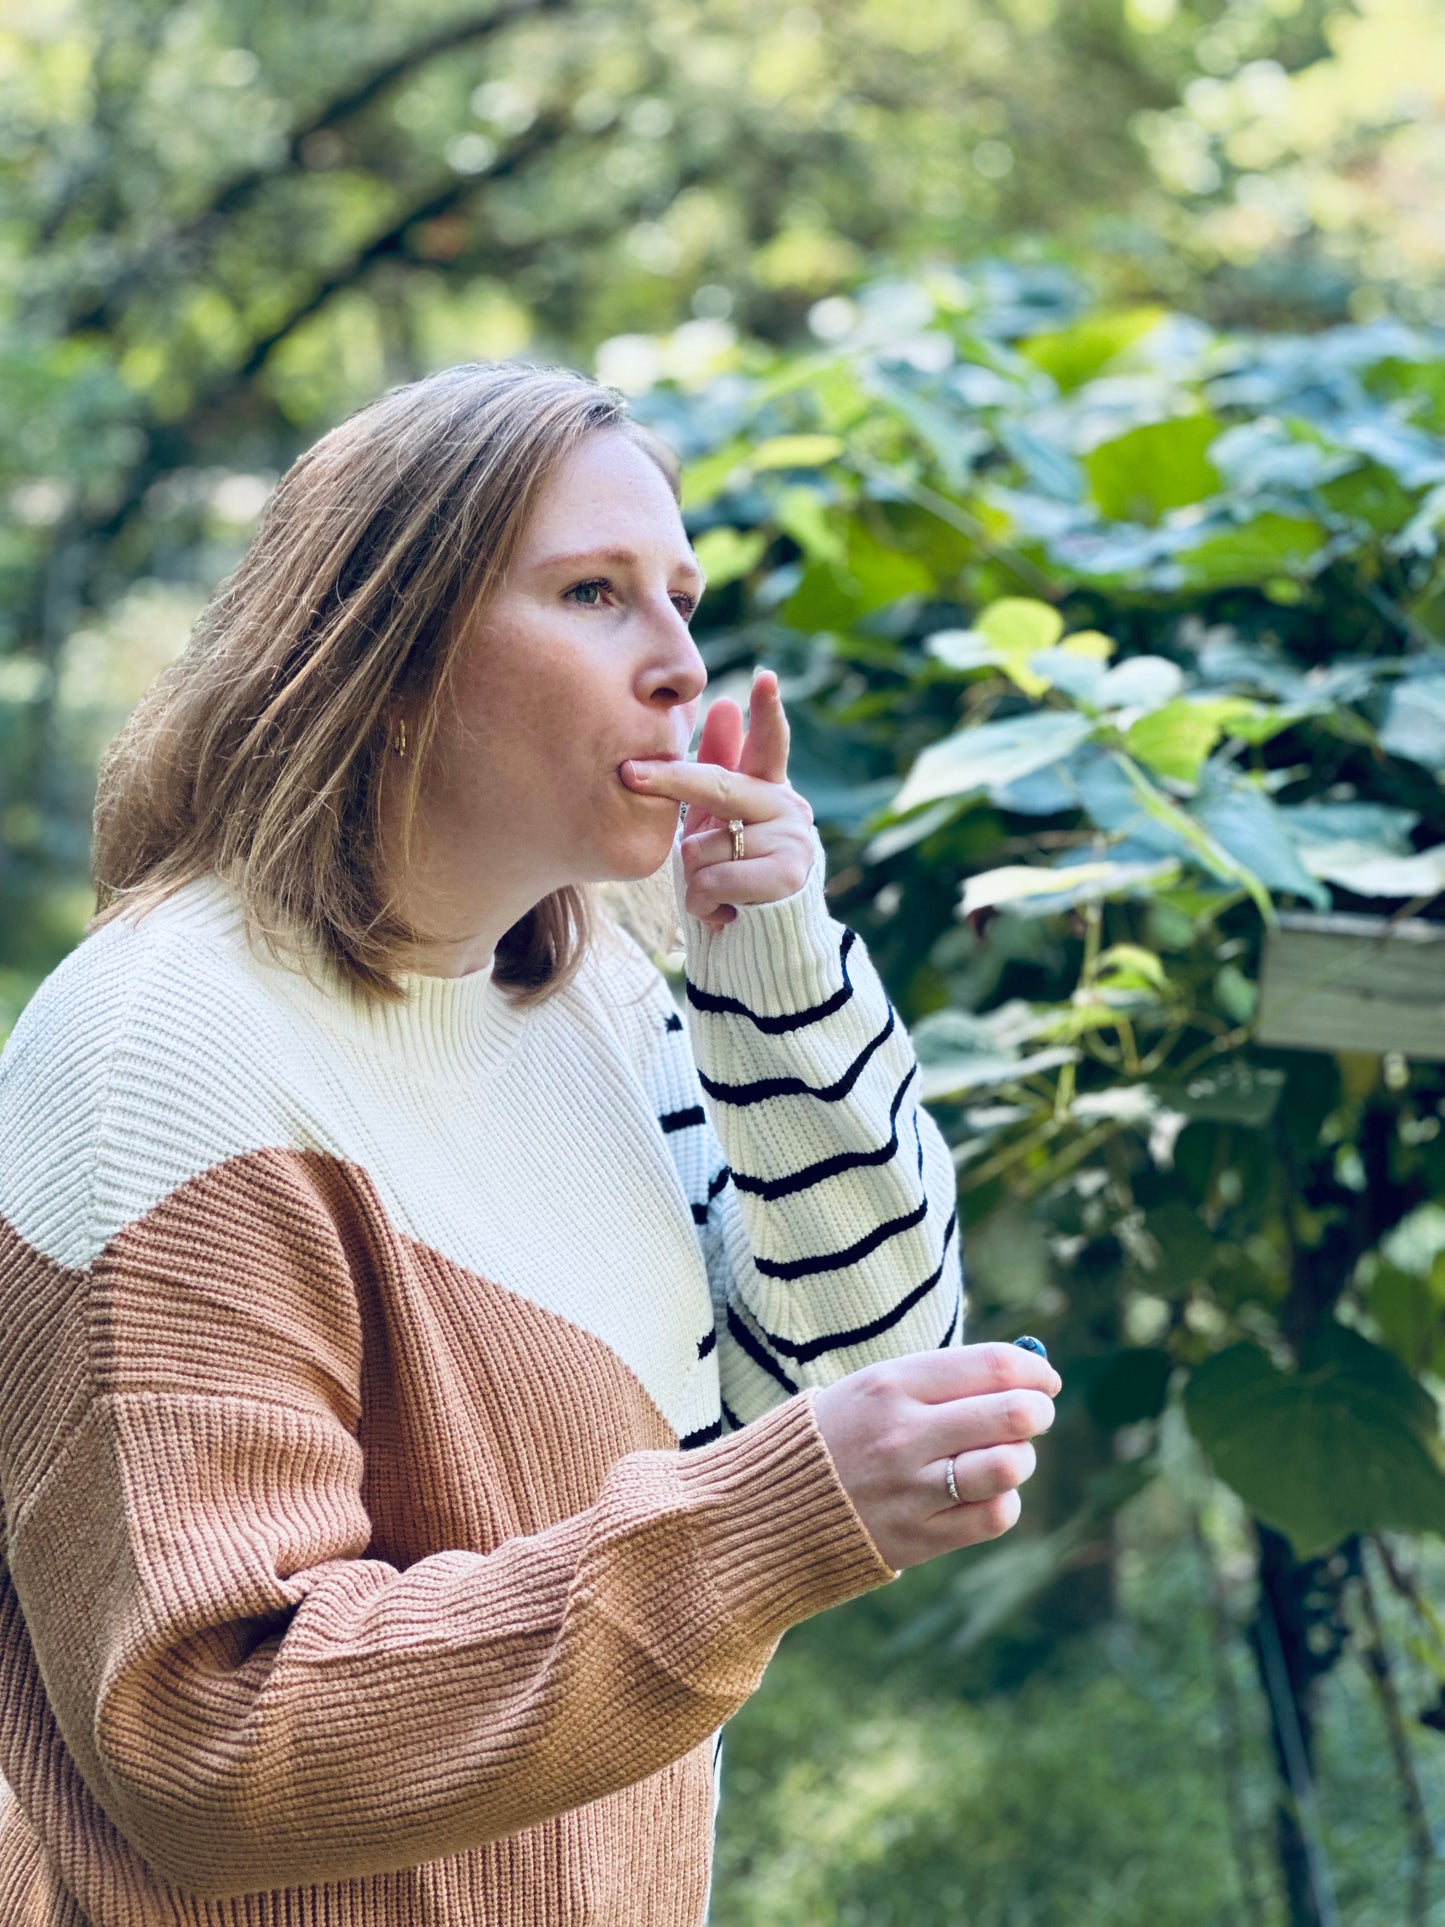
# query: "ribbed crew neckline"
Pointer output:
{"type": "Point", "coordinates": [446, 1026]}
{"type": "Point", "coordinates": [446, 1023]}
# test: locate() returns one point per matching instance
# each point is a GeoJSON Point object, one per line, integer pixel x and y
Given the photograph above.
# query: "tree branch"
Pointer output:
{"type": "Point", "coordinates": [229, 197]}
{"type": "Point", "coordinates": [445, 199]}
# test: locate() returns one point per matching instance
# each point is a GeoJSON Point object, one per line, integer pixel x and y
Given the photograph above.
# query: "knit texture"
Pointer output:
{"type": "Point", "coordinates": [351, 1572]}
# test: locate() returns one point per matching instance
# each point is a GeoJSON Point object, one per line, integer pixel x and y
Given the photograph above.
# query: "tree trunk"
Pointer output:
{"type": "Point", "coordinates": [1298, 1633]}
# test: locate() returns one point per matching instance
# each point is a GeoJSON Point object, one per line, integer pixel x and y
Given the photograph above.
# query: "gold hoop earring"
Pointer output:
{"type": "Point", "coordinates": [398, 742]}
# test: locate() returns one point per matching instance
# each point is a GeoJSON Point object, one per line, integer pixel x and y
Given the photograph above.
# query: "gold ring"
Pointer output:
{"type": "Point", "coordinates": [735, 824]}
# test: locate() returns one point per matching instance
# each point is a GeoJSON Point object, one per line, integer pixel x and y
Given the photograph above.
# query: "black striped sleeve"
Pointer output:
{"type": "Point", "coordinates": [765, 1087]}
{"type": "Point", "coordinates": [802, 1351]}
{"type": "Point", "coordinates": [830, 1167]}
{"type": "Point", "coordinates": [789, 1021]}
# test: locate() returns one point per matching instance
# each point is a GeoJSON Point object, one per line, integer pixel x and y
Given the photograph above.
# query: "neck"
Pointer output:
{"type": "Point", "coordinates": [462, 898]}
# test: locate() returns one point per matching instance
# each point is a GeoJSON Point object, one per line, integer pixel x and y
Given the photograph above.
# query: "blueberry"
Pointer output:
{"type": "Point", "coordinates": [1032, 1345]}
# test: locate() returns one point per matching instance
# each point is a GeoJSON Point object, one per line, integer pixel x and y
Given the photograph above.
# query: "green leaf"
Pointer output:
{"type": "Point", "coordinates": [1174, 741]}
{"type": "Point", "coordinates": [1232, 1092]}
{"type": "Point", "coordinates": [1410, 1312]}
{"type": "Point", "coordinates": [725, 554]}
{"type": "Point", "coordinates": [974, 759]}
{"type": "Point", "coordinates": [1025, 887]}
{"type": "Point", "coordinates": [1245, 823]}
{"type": "Point", "coordinates": [1166, 812]}
{"type": "Point", "coordinates": [1414, 725]}
{"type": "Point", "coordinates": [1162, 465]}
{"type": "Point", "coordinates": [1270, 545]}
{"type": "Point", "coordinates": [1123, 1387]}
{"type": "Point", "coordinates": [1345, 1444]}
{"type": "Point", "coordinates": [1126, 966]}
{"type": "Point", "coordinates": [795, 451]}
{"type": "Point", "coordinates": [1075, 354]}
{"type": "Point", "coordinates": [801, 513]}
{"type": "Point", "coordinates": [1017, 628]}
{"type": "Point", "coordinates": [705, 479]}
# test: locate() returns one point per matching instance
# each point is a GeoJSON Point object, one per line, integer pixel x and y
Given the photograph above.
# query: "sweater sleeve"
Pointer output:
{"type": "Point", "coordinates": [255, 1698]}
{"type": "Point", "coordinates": [824, 1192]}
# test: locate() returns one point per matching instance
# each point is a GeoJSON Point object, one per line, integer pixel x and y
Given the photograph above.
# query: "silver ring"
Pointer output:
{"type": "Point", "coordinates": [954, 1499]}
{"type": "Point", "coordinates": [735, 824]}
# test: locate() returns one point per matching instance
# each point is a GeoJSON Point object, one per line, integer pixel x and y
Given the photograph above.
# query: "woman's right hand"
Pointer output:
{"type": "Point", "coordinates": [893, 1427]}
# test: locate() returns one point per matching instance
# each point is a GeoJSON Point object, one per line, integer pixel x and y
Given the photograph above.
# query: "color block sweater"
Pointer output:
{"type": "Point", "coordinates": [351, 1572]}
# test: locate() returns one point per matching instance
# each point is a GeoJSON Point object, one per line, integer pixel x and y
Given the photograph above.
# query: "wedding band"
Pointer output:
{"type": "Point", "coordinates": [953, 1495]}
{"type": "Point", "coordinates": [735, 824]}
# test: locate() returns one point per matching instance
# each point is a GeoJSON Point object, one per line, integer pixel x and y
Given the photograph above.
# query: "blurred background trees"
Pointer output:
{"type": "Point", "coordinates": [1059, 384]}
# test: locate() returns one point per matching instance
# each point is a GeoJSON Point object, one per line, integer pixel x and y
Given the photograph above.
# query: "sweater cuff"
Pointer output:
{"type": "Point", "coordinates": [774, 1524]}
{"type": "Point", "coordinates": [777, 958]}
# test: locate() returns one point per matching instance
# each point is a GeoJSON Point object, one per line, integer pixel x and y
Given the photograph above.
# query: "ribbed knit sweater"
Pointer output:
{"type": "Point", "coordinates": [351, 1574]}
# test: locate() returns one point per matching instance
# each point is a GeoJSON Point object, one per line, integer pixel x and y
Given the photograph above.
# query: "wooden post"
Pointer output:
{"type": "Point", "coordinates": [1348, 983]}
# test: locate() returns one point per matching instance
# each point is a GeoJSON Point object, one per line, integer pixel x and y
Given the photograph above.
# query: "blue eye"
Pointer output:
{"type": "Point", "coordinates": [589, 594]}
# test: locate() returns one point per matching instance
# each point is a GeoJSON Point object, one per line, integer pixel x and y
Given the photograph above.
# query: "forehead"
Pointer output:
{"type": "Point", "coordinates": [607, 492]}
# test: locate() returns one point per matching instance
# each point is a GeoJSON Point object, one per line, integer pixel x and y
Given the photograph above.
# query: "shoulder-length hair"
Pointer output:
{"type": "Point", "coordinates": [264, 752]}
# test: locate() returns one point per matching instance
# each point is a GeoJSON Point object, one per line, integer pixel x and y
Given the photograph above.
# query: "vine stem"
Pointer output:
{"type": "Point", "coordinates": [1298, 1778]}
{"type": "Point", "coordinates": [1375, 1658]}
{"type": "Point", "coordinates": [1231, 1726]}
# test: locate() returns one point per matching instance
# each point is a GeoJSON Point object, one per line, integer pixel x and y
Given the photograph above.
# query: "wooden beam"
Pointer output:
{"type": "Point", "coordinates": [1346, 983]}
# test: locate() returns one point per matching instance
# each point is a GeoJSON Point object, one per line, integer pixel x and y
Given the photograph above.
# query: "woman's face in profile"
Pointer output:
{"type": "Point", "coordinates": [581, 660]}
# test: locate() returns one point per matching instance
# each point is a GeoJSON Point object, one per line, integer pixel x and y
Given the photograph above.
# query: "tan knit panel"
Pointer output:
{"type": "Point", "coordinates": [479, 1417]}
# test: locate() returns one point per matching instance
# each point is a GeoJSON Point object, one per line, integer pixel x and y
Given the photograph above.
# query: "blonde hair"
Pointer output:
{"type": "Point", "coordinates": [263, 752]}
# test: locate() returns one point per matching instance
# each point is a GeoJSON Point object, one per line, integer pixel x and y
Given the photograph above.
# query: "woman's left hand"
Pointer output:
{"type": "Point", "coordinates": [744, 776]}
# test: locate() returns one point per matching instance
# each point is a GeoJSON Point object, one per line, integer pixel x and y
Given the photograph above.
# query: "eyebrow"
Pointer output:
{"type": "Point", "coordinates": [615, 558]}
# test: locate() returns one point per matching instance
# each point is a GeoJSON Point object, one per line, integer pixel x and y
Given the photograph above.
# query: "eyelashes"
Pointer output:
{"type": "Point", "coordinates": [685, 604]}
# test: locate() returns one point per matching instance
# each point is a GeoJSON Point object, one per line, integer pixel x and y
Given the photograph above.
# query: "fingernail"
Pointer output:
{"type": "Point", "coordinates": [638, 772]}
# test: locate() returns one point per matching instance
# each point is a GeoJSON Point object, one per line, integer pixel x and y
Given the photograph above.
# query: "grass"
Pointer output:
{"type": "Point", "coordinates": [1081, 1785]}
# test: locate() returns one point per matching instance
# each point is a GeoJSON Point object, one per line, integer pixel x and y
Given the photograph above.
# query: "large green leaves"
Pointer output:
{"type": "Point", "coordinates": [1162, 465]}
{"type": "Point", "coordinates": [1347, 1443]}
{"type": "Point", "coordinates": [975, 759]}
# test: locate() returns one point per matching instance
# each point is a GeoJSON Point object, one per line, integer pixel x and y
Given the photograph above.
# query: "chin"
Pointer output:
{"type": "Point", "coordinates": [643, 857]}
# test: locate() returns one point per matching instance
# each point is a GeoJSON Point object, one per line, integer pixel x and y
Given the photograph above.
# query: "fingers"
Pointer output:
{"type": "Point", "coordinates": [970, 1370]}
{"type": "Point", "coordinates": [980, 1476]}
{"type": "Point", "coordinates": [722, 739]}
{"type": "Point", "coordinates": [765, 753]}
{"type": "Point", "coordinates": [756, 880]}
{"type": "Point", "coordinates": [968, 1525]}
{"type": "Point", "coordinates": [725, 792]}
{"type": "Point", "coordinates": [992, 1418]}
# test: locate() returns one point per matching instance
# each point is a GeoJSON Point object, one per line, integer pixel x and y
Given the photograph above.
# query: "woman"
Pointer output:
{"type": "Point", "coordinates": [375, 1230]}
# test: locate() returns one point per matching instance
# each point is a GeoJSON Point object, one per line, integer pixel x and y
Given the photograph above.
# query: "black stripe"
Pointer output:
{"type": "Point", "coordinates": [851, 1255]}
{"type": "Point", "coordinates": [837, 1341]}
{"type": "Point", "coordinates": [947, 1338]}
{"type": "Point", "coordinates": [708, 1342]}
{"type": "Point", "coordinates": [811, 1174]}
{"type": "Point", "coordinates": [795, 1020]}
{"type": "Point", "coordinates": [674, 1022]}
{"type": "Point", "coordinates": [715, 1184]}
{"type": "Point", "coordinates": [763, 1087]}
{"type": "Point", "coordinates": [704, 1436]}
{"type": "Point", "coordinates": [743, 1337]}
{"type": "Point", "coordinates": [731, 1417]}
{"type": "Point", "coordinates": [681, 1120]}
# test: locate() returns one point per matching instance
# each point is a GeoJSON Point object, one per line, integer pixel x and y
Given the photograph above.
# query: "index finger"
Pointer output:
{"type": "Point", "coordinates": [969, 1371]}
{"type": "Point", "coordinates": [726, 792]}
{"type": "Point", "coordinates": [765, 752]}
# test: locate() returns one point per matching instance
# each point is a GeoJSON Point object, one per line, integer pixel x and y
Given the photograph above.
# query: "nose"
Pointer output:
{"type": "Point", "coordinates": [675, 673]}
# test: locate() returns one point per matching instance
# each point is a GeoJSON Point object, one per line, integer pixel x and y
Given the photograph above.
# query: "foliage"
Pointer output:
{"type": "Point", "coordinates": [1101, 642]}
